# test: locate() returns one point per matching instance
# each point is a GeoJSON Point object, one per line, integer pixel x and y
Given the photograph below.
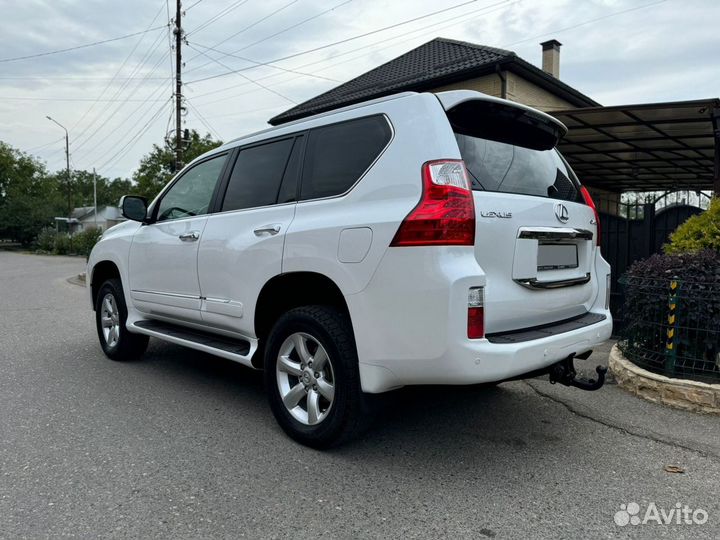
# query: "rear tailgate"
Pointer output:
{"type": "Point", "coordinates": [535, 238]}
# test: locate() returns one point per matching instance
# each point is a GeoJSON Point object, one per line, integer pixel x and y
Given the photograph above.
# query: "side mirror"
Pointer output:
{"type": "Point", "coordinates": [134, 207]}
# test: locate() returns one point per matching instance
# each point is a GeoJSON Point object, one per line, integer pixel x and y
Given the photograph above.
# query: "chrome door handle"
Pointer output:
{"type": "Point", "coordinates": [272, 230]}
{"type": "Point", "coordinates": [191, 236]}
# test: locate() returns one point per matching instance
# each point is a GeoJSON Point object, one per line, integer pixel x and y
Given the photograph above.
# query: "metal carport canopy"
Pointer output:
{"type": "Point", "coordinates": [653, 146]}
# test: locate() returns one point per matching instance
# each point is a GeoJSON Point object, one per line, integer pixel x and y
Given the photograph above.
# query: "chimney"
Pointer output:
{"type": "Point", "coordinates": [551, 57]}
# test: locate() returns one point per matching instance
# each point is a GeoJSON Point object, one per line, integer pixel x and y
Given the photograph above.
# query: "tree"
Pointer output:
{"type": "Point", "coordinates": [108, 191]}
{"type": "Point", "coordinates": [29, 197]}
{"type": "Point", "coordinates": [157, 167]}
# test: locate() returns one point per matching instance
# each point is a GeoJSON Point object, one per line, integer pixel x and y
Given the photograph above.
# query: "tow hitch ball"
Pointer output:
{"type": "Point", "coordinates": [564, 373]}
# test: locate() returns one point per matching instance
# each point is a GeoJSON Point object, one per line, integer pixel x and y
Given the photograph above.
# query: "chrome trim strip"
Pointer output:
{"type": "Point", "coordinates": [533, 283]}
{"type": "Point", "coordinates": [581, 234]}
{"type": "Point", "coordinates": [176, 295]}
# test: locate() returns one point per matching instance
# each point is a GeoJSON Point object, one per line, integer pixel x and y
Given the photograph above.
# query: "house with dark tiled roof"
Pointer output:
{"type": "Point", "coordinates": [447, 64]}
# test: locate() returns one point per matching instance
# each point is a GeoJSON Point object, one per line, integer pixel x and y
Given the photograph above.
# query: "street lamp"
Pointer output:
{"type": "Point", "coordinates": [67, 160]}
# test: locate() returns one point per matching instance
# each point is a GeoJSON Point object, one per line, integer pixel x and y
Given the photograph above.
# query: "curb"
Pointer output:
{"type": "Point", "coordinates": [77, 280]}
{"type": "Point", "coordinates": [677, 393]}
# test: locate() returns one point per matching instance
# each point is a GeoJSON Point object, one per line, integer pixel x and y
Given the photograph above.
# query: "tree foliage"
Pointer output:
{"type": "Point", "coordinates": [698, 232]}
{"type": "Point", "coordinates": [31, 197]}
{"type": "Point", "coordinates": [28, 197]}
{"type": "Point", "coordinates": [157, 167]}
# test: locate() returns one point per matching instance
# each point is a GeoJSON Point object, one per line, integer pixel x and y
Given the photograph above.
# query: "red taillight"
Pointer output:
{"type": "Point", "coordinates": [588, 200]}
{"type": "Point", "coordinates": [476, 323]}
{"type": "Point", "coordinates": [445, 215]}
{"type": "Point", "coordinates": [476, 313]}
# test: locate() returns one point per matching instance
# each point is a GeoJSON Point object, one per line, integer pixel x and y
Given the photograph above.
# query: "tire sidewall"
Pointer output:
{"type": "Point", "coordinates": [328, 430]}
{"type": "Point", "coordinates": [111, 287]}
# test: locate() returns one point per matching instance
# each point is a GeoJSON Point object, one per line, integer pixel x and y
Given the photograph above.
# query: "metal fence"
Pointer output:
{"type": "Point", "coordinates": [672, 327]}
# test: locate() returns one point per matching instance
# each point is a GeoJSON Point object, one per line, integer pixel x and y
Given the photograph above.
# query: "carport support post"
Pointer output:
{"type": "Point", "coordinates": [716, 132]}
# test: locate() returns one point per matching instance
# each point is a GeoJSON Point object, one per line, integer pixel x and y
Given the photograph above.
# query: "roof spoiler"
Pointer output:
{"type": "Point", "coordinates": [480, 115]}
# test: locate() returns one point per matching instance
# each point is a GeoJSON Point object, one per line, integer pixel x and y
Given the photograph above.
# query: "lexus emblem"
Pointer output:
{"type": "Point", "coordinates": [561, 212]}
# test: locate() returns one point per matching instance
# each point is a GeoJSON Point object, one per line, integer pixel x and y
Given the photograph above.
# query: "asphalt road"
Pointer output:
{"type": "Point", "coordinates": [183, 445]}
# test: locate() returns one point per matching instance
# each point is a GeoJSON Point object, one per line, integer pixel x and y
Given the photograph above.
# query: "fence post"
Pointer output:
{"type": "Point", "coordinates": [672, 328]}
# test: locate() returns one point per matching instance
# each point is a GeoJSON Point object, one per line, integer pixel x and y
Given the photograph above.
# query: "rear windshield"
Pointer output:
{"type": "Point", "coordinates": [508, 168]}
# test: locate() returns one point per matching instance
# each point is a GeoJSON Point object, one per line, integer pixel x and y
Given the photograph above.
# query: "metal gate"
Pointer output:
{"type": "Point", "coordinates": [635, 232]}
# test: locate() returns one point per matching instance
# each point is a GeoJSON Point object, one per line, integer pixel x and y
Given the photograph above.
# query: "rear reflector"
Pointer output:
{"type": "Point", "coordinates": [476, 313]}
{"type": "Point", "coordinates": [445, 215]}
{"type": "Point", "coordinates": [589, 201]}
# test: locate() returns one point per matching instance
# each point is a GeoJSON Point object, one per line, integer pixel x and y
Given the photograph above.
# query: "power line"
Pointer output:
{"type": "Point", "coordinates": [266, 64]}
{"type": "Point", "coordinates": [41, 78]}
{"type": "Point", "coordinates": [193, 5]}
{"type": "Point", "coordinates": [144, 60]}
{"type": "Point", "coordinates": [58, 51]}
{"type": "Point", "coordinates": [245, 29]}
{"type": "Point", "coordinates": [585, 22]}
{"type": "Point", "coordinates": [34, 148]}
{"type": "Point", "coordinates": [119, 70]}
{"type": "Point", "coordinates": [470, 16]}
{"type": "Point", "coordinates": [127, 118]}
{"type": "Point", "coordinates": [133, 140]}
{"type": "Point", "coordinates": [17, 98]}
{"type": "Point", "coordinates": [245, 76]}
{"type": "Point", "coordinates": [106, 122]}
{"type": "Point", "coordinates": [124, 100]}
{"type": "Point", "coordinates": [365, 34]}
{"type": "Point", "coordinates": [204, 121]}
{"type": "Point", "coordinates": [215, 17]}
{"type": "Point", "coordinates": [276, 33]}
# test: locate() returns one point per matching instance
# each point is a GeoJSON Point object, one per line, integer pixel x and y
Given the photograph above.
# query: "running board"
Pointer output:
{"type": "Point", "coordinates": [238, 350]}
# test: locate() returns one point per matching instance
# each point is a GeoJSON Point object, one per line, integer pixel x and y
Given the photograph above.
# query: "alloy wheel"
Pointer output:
{"type": "Point", "coordinates": [305, 378]}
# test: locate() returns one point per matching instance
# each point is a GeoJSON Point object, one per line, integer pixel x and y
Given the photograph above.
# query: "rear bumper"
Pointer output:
{"type": "Point", "coordinates": [479, 361]}
{"type": "Point", "coordinates": [410, 324]}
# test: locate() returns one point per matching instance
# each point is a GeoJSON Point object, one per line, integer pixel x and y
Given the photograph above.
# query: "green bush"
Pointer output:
{"type": "Point", "coordinates": [63, 244]}
{"type": "Point", "coordinates": [697, 233]}
{"type": "Point", "coordinates": [84, 241]}
{"type": "Point", "coordinates": [45, 241]}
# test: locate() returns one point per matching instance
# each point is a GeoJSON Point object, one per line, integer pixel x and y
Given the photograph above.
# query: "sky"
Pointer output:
{"type": "Point", "coordinates": [115, 97]}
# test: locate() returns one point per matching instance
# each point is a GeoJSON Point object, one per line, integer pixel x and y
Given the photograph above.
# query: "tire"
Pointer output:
{"type": "Point", "coordinates": [110, 317]}
{"type": "Point", "coordinates": [324, 423]}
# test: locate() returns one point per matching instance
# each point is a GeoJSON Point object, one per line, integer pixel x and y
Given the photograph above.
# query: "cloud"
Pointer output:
{"type": "Point", "coordinates": [662, 52]}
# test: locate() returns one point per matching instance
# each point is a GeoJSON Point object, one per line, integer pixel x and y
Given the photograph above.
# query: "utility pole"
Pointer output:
{"type": "Point", "coordinates": [67, 162]}
{"type": "Point", "coordinates": [178, 88]}
{"type": "Point", "coordinates": [95, 196]}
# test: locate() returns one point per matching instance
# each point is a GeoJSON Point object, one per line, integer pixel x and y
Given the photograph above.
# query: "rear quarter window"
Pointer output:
{"type": "Point", "coordinates": [338, 155]}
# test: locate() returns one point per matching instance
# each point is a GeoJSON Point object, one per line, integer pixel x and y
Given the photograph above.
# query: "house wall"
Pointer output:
{"type": "Point", "coordinates": [518, 89]}
{"type": "Point", "coordinates": [527, 93]}
{"type": "Point", "coordinates": [489, 84]}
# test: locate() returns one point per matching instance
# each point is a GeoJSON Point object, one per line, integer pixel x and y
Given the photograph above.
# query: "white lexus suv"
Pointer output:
{"type": "Point", "coordinates": [415, 239]}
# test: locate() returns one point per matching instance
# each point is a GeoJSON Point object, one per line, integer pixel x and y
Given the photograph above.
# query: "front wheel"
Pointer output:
{"type": "Point", "coordinates": [110, 317]}
{"type": "Point", "coordinates": [312, 378]}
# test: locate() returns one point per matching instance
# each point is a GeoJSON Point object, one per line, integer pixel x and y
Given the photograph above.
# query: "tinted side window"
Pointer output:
{"type": "Point", "coordinates": [339, 154]}
{"type": "Point", "coordinates": [191, 194]}
{"type": "Point", "coordinates": [257, 175]}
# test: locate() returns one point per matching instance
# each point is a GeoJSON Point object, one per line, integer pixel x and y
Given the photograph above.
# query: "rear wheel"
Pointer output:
{"type": "Point", "coordinates": [110, 317]}
{"type": "Point", "coordinates": [311, 375]}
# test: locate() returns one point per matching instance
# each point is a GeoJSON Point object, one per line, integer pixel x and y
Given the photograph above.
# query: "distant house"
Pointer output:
{"type": "Point", "coordinates": [447, 64]}
{"type": "Point", "coordinates": [83, 218]}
